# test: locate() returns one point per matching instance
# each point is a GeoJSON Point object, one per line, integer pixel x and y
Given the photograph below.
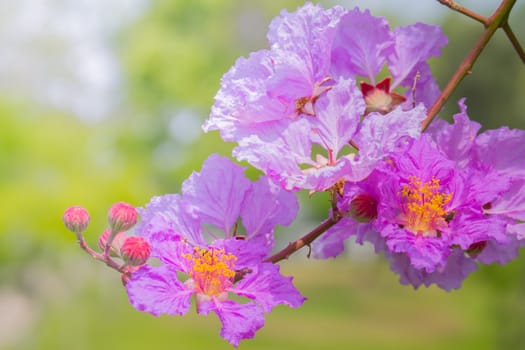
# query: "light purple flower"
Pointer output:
{"type": "Point", "coordinates": [275, 86]}
{"type": "Point", "coordinates": [295, 109]}
{"type": "Point", "coordinates": [364, 43]}
{"type": "Point", "coordinates": [203, 250]}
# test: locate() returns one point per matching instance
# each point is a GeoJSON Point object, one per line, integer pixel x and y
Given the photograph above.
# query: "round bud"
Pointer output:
{"type": "Point", "coordinates": [135, 251]}
{"type": "Point", "coordinates": [76, 219]}
{"type": "Point", "coordinates": [122, 216]}
{"type": "Point", "coordinates": [363, 208]}
{"type": "Point", "coordinates": [476, 248]}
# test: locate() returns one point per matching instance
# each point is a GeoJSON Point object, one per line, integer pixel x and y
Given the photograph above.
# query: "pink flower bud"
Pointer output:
{"type": "Point", "coordinates": [122, 216]}
{"type": "Point", "coordinates": [135, 251]}
{"type": "Point", "coordinates": [363, 208]}
{"type": "Point", "coordinates": [476, 248]}
{"type": "Point", "coordinates": [116, 244]}
{"type": "Point", "coordinates": [76, 219]}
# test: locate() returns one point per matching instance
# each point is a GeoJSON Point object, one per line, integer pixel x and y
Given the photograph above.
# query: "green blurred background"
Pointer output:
{"type": "Point", "coordinates": [102, 102]}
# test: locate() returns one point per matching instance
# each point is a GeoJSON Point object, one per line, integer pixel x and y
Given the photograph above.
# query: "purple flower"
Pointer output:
{"type": "Point", "coordinates": [295, 110]}
{"type": "Point", "coordinates": [277, 85]}
{"type": "Point", "coordinates": [444, 204]}
{"type": "Point", "coordinates": [202, 250]}
{"type": "Point", "coordinates": [364, 43]}
{"type": "Point", "coordinates": [430, 207]}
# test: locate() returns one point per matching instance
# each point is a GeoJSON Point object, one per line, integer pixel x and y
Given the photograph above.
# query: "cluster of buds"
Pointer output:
{"type": "Point", "coordinates": [132, 252]}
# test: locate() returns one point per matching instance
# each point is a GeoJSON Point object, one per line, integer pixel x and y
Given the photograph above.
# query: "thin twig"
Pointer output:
{"type": "Point", "coordinates": [514, 41]}
{"type": "Point", "coordinates": [97, 256]}
{"type": "Point", "coordinates": [306, 240]}
{"type": "Point", "coordinates": [494, 22]}
{"type": "Point", "coordinates": [458, 8]}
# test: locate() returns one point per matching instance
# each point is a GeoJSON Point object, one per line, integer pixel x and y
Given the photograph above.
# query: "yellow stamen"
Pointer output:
{"type": "Point", "coordinates": [424, 211]}
{"type": "Point", "coordinates": [212, 270]}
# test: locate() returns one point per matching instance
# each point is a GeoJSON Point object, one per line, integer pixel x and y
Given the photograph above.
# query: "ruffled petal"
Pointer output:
{"type": "Point", "coordinates": [425, 253]}
{"type": "Point", "coordinates": [267, 205]}
{"type": "Point", "coordinates": [309, 33]}
{"type": "Point", "coordinates": [422, 159]}
{"type": "Point", "coordinates": [279, 154]}
{"type": "Point", "coordinates": [518, 230]}
{"type": "Point", "coordinates": [503, 149]}
{"type": "Point", "coordinates": [243, 100]}
{"type": "Point", "coordinates": [457, 139]}
{"type": "Point", "coordinates": [381, 134]}
{"type": "Point", "coordinates": [158, 291]}
{"type": "Point", "coordinates": [171, 251]}
{"type": "Point", "coordinates": [469, 228]}
{"type": "Point", "coordinates": [511, 203]}
{"type": "Point", "coordinates": [217, 192]}
{"type": "Point", "coordinates": [361, 45]}
{"type": "Point", "coordinates": [479, 194]}
{"type": "Point", "coordinates": [239, 321]}
{"type": "Point", "coordinates": [495, 252]}
{"type": "Point", "coordinates": [268, 288]}
{"type": "Point", "coordinates": [457, 268]}
{"type": "Point", "coordinates": [248, 252]}
{"type": "Point", "coordinates": [414, 45]}
{"type": "Point", "coordinates": [167, 216]}
{"type": "Point", "coordinates": [338, 117]}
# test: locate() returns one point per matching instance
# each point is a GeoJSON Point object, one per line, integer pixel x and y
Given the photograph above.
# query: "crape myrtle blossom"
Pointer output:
{"type": "Point", "coordinates": [443, 205]}
{"type": "Point", "coordinates": [498, 156]}
{"type": "Point", "coordinates": [287, 158]}
{"type": "Point", "coordinates": [197, 239]}
{"type": "Point", "coordinates": [364, 43]}
{"type": "Point", "coordinates": [294, 108]}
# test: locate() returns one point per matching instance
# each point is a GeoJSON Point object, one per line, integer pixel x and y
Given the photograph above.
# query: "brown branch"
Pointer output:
{"type": "Point", "coordinates": [498, 19]}
{"type": "Point", "coordinates": [306, 240]}
{"type": "Point", "coordinates": [458, 8]}
{"type": "Point", "coordinates": [514, 41]}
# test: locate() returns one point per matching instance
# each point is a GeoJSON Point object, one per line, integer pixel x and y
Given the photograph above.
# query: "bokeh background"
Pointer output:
{"type": "Point", "coordinates": [102, 101]}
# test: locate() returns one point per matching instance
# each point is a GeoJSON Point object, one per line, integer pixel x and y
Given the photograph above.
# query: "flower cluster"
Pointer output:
{"type": "Point", "coordinates": [296, 111]}
{"type": "Point", "coordinates": [115, 242]}
{"type": "Point", "coordinates": [335, 103]}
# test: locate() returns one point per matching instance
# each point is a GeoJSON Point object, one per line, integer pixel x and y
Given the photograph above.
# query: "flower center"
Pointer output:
{"type": "Point", "coordinates": [212, 270]}
{"type": "Point", "coordinates": [424, 207]}
{"type": "Point", "coordinates": [305, 104]}
{"type": "Point", "coordinates": [378, 98]}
